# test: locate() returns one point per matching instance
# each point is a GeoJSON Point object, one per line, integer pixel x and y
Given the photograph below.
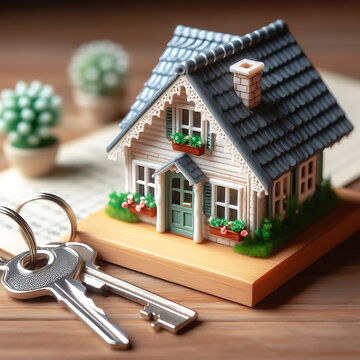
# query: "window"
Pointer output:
{"type": "Point", "coordinates": [226, 200]}
{"type": "Point", "coordinates": [144, 183]}
{"type": "Point", "coordinates": [189, 121]}
{"type": "Point", "coordinates": [281, 190]}
{"type": "Point", "coordinates": [307, 181]}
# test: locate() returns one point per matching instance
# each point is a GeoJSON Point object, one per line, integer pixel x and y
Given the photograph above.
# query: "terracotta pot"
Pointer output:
{"type": "Point", "coordinates": [99, 109]}
{"type": "Point", "coordinates": [32, 162]}
{"type": "Point", "coordinates": [194, 150]}
{"type": "Point", "coordinates": [230, 235]}
{"type": "Point", "coordinates": [151, 212]}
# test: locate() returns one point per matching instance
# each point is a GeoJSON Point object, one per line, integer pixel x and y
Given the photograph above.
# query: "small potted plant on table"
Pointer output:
{"type": "Point", "coordinates": [26, 114]}
{"type": "Point", "coordinates": [98, 71]}
{"type": "Point", "coordinates": [231, 230]}
{"type": "Point", "coordinates": [189, 144]}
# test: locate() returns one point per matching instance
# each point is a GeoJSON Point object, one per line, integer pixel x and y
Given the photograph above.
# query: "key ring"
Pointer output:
{"type": "Point", "coordinates": [59, 201]}
{"type": "Point", "coordinates": [26, 232]}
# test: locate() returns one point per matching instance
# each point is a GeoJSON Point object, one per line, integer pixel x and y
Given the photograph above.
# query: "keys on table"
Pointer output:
{"type": "Point", "coordinates": [57, 278]}
{"type": "Point", "coordinates": [167, 314]}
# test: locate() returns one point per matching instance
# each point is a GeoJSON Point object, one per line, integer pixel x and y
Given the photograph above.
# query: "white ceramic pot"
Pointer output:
{"type": "Point", "coordinates": [99, 109]}
{"type": "Point", "coordinates": [32, 162]}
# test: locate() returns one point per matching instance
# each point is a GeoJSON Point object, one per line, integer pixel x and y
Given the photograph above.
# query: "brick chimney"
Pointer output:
{"type": "Point", "coordinates": [247, 81]}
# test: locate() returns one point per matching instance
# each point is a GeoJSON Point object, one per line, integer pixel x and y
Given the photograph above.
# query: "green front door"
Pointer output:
{"type": "Point", "coordinates": [179, 201]}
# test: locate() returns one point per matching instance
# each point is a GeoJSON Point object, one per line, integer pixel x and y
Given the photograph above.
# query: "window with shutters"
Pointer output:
{"type": "Point", "coordinates": [144, 183]}
{"type": "Point", "coordinates": [226, 200]}
{"type": "Point", "coordinates": [307, 178]}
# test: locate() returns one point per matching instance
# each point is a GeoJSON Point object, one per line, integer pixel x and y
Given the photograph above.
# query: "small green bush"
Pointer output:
{"type": "Point", "coordinates": [27, 113]}
{"type": "Point", "coordinates": [179, 138]}
{"type": "Point", "coordinates": [195, 140]}
{"type": "Point", "coordinates": [237, 225]}
{"type": "Point", "coordinates": [150, 201]}
{"type": "Point", "coordinates": [273, 235]}
{"type": "Point", "coordinates": [217, 222]}
{"type": "Point", "coordinates": [115, 209]}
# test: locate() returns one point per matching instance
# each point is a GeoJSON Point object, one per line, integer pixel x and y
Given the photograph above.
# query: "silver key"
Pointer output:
{"type": "Point", "coordinates": [57, 278]}
{"type": "Point", "coordinates": [165, 313]}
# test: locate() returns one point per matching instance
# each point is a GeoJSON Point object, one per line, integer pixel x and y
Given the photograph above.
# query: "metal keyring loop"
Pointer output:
{"type": "Point", "coordinates": [26, 232]}
{"type": "Point", "coordinates": [59, 201]}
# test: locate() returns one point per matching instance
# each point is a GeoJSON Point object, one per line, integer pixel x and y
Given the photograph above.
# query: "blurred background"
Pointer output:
{"type": "Point", "coordinates": [37, 38]}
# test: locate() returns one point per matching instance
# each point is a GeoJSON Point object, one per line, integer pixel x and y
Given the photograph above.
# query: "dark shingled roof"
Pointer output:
{"type": "Point", "coordinates": [186, 43]}
{"type": "Point", "coordinates": [187, 166]}
{"type": "Point", "coordinates": [297, 116]}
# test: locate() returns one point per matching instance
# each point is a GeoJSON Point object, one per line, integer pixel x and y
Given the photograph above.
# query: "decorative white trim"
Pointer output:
{"type": "Point", "coordinates": [192, 96]}
{"type": "Point", "coordinates": [198, 212]}
{"type": "Point", "coordinates": [160, 202]}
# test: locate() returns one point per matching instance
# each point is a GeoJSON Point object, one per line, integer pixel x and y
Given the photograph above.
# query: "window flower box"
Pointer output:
{"type": "Point", "coordinates": [191, 145]}
{"type": "Point", "coordinates": [140, 205]}
{"type": "Point", "coordinates": [225, 229]}
{"type": "Point", "coordinates": [136, 209]}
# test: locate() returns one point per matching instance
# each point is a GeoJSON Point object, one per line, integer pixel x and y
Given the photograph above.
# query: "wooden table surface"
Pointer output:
{"type": "Point", "coordinates": [314, 315]}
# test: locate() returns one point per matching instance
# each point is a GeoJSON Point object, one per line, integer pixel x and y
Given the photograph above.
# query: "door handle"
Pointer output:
{"type": "Point", "coordinates": [187, 204]}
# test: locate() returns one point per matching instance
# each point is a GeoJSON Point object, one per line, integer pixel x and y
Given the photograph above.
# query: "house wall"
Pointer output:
{"type": "Point", "coordinates": [153, 147]}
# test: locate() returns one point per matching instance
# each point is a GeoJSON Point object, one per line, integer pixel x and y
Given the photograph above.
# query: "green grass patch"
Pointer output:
{"type": "Point", "coordinates": [121, 214]}
{"type": "Point", "coordinates": [115, 209]}
{"type": "Point", "coordinates": [273, 235]}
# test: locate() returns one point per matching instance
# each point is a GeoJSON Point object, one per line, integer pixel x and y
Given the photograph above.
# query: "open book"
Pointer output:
{"type": "Point", "coordinates": [84, 176]}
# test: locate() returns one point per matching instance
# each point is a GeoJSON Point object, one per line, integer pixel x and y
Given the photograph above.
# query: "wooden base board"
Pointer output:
{"type": "Point", "coordinates": [210, 267]}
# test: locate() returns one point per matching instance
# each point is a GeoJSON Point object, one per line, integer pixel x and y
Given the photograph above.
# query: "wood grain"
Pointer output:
{"type": "Point", "coordinates": [314, 315]}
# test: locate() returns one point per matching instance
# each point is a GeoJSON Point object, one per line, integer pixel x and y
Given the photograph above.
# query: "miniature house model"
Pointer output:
{"type": "Point", "coordinates": [263, 116]}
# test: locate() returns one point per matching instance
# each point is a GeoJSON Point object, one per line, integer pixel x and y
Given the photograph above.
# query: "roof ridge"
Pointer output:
{"type": "Point", "coordinates": [222, 51]}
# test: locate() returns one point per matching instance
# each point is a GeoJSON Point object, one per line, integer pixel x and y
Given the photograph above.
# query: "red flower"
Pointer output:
{"type": "Point", "coordinates": [130, 201]}
{"type": "Point", "coordinates": [124, 205]}
{"type": "Point", "coordinates": [223, 229]}
{"type": "Point", "coordinates": [244, 233]}
{"type": "Point", "coordinates": [138, 207]}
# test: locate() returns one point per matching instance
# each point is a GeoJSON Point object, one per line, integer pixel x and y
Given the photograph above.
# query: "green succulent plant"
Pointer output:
{"type": "Point", "coordinates": [99, 68]}
{"type": "Point", "coordinates": [27, 113]}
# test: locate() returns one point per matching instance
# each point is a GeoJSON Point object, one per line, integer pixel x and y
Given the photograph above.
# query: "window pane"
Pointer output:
{"type": "Point", "coordinates": [196, 119]}
{"type": "Point", "coordinates": [152, 191]}
{"type": "Point", "coordinates": [175, 197]}
{"type": "Point", "coordinates": [220, 211]}
{"type": "Point", "coordinates": [187, 185]}
{"type": "Point", "coordinates": [277, 207]}
{"type": "Point", "coordinates": [303, 171]}
{"type": "Point", "coordinates": [302, 190]}
{"type": "Point", "coordinates": [141, 175]}
{"type": "Point", "coordinates": [185, 131]}
{"type": "Point", "coordinates": [284, 205]}
{"type": "Point", "coordinates": [233, 214]}
{"type": "Point", "coordinates": [185, 117]}
{"type": "Point", "coordinates": [141, 189]}
{"type": "Point", "coordinates": [220, 192]}
{"type": "Point", "coordinates": [197, 133]}
{"type": "Point", "coordinates": [285, 186]}
{"type": "Point", "coordinates": [175, 183]}
{"type": "Point", "coordinates": [188, 198]}
{"type": "Point", "coordinates": [310, 167]}
{"type": "Point", "coordinates": [151, 173]}
{"type": "Point", "coordinates": [277, 188]}
{"type": "Point", "coordinates": [233, 197]}
{"type": "Point", "coordinates": [309, 183]}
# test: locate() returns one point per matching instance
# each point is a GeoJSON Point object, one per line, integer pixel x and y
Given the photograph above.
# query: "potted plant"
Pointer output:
{"type": "Point", "coordinates": [98, 71]}
{"type": "Point", "coordinates": [141, 205]}
{"type": "Point", "coordinates": [231, 230]}
{"type": "Point", "coordinates": [26, 114]}
{"type": "Point", "coordinates": [115, 208]}
{"type": "Point", "coordinates": [189, 144]}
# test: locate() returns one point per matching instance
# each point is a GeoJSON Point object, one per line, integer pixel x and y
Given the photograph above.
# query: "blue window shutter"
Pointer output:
{"type": "Point", "coordinates": [209, 138]}
{"type": "Point", "coordinates": [207, 199]}
{"type": "Point", "coordinates": [169, 130]}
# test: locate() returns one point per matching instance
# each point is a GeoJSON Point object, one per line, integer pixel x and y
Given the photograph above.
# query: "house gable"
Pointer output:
{"type": "Point", "coordinates": [166, 99]}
